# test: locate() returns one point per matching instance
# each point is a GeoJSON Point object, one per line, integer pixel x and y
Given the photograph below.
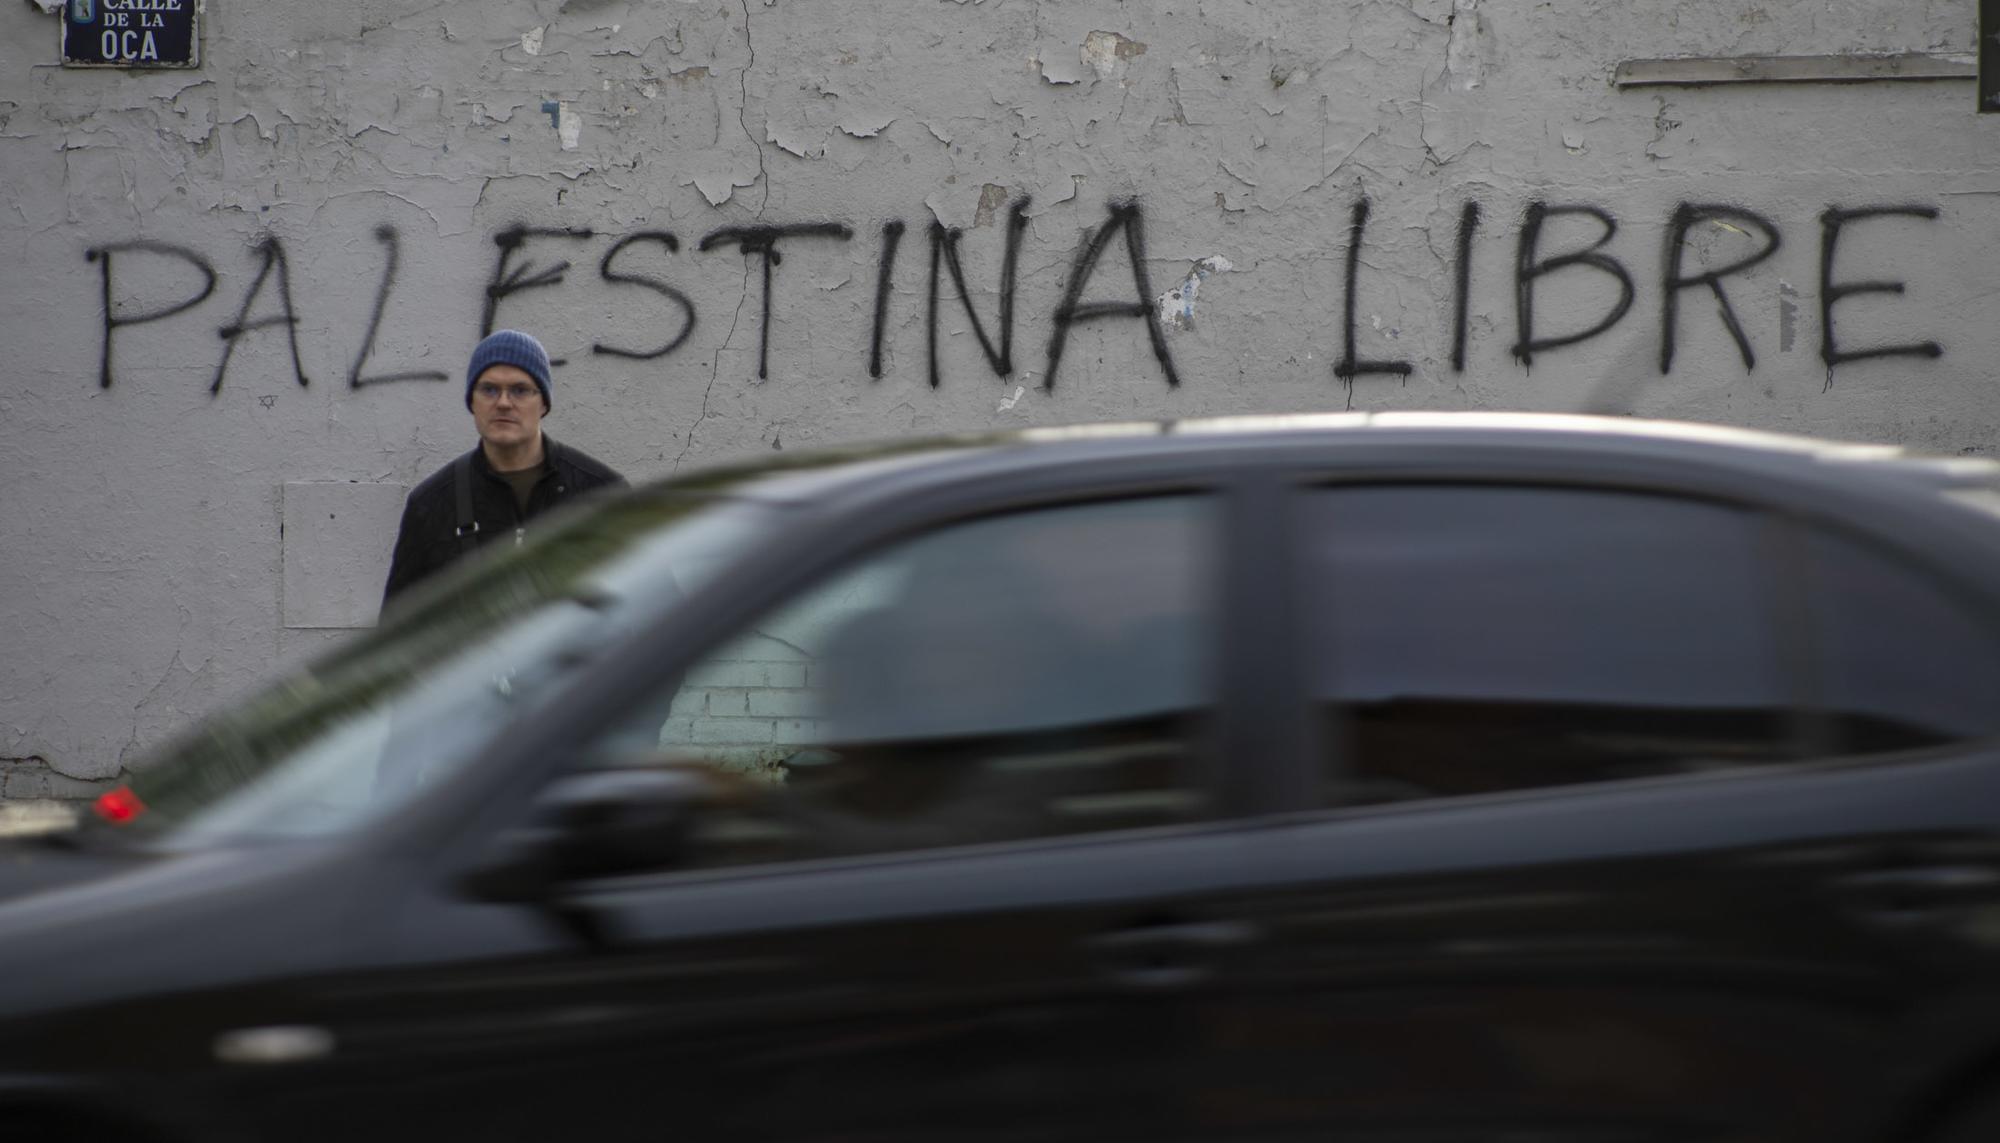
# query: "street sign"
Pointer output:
{"type": "Point", "coordinates": [131, 33]}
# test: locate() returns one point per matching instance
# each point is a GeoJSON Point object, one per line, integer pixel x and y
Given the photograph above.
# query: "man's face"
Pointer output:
{"type": "Point", "coordinates": [506, 406]}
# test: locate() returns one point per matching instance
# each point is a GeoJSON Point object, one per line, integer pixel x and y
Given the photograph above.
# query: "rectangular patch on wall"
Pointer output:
{"type": "Point", "coordinates": [338, 536]}
{"type": "Point", "coordinates": [131, 33]}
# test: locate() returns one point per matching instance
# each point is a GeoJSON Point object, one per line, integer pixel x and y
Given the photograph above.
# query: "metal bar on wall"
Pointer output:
{"type": "Point", "coordinates": [1797, 69]}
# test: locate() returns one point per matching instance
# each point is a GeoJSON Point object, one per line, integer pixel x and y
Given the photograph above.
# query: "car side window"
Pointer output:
{"type": "Point", "coordinates": [1039, 673]}
{"type": "Point", "coordinates": [1899, 663]}
{"type": "Point", "coordinates": [1474, 639]}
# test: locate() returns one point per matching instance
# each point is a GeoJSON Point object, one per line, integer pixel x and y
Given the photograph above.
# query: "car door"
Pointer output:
{"type": "Point", "coordinates": [1638, 816]}
{"type": "Point", "coordinates": [963, 868]}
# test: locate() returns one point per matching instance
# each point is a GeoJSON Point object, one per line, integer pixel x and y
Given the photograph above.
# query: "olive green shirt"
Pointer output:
{"type": "Point", "coordinates": [523, 483]}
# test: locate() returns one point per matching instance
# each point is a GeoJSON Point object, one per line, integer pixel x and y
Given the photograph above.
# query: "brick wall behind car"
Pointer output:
{"type": "Point", "coordinates": [749, 707]}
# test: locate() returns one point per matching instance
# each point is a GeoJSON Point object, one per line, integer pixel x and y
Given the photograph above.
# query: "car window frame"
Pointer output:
{"type": "Point", "coordinates": [830, 534]}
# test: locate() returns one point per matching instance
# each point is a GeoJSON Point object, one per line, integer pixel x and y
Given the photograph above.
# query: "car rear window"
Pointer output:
{"type": "Point", "coordinates": [1899, 661]}
{"type": "Point", "coordinates": [1473, 639]}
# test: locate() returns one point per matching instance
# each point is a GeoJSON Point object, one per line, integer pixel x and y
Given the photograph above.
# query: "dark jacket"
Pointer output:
{"type": "Point", "coordinates": [428, 538]}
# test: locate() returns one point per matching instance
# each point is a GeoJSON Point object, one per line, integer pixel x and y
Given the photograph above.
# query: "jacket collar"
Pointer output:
{"type": "Point", "coordinates": [550, 450]}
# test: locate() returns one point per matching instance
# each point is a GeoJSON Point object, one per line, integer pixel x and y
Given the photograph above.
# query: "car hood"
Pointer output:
{"type": "Point", "coordinates": [92, 923]}
{"type": "Point", "coordinates": [36, 865]}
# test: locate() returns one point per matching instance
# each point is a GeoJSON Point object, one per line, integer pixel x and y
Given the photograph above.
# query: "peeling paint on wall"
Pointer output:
{"type": "Point", "coordinates": [1462, 58]}
{"type": "Point", "coordinates": [1061, 66]}
{"type": "Point", "coordinates": [719, 174]}
{"type": "Point", "coordinates": [1104, 50]}
{"type": "Point", "coordinates": [864, 122]}
{"type": "Point", "coordinates": [1040, 170]}
{"type": "Point", "coordinates": [569, 126]}
{"type": "Point", "coordinates": [1177, 304]}
{"type": "Point", "coordinates": [992, 197]}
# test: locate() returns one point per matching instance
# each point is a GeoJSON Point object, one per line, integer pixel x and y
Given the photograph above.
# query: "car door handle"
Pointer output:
{"type": "Point", "coordinates": [1168, 955]}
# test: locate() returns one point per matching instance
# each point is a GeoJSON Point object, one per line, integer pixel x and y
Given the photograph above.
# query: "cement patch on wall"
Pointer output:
{"type": "Point", "coordinates": [337, 539]}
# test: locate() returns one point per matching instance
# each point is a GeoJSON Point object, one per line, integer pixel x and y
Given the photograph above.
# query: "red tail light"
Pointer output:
{"type": "Point", "coordinates": [119, 806]}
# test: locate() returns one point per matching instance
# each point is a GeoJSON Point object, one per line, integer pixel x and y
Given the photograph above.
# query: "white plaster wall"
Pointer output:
{"type": "Point", "coordinates": [140, 548]}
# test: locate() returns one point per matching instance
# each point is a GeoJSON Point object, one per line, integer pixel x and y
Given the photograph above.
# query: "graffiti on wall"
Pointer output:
{"type": "Point", "coordinates": [529, 258]}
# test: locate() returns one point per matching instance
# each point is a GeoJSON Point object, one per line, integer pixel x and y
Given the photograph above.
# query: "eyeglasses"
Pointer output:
{"type": "Point", "coordinates": [490, 393]}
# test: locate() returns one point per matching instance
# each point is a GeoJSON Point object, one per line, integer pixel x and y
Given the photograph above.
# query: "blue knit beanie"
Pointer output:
{"type": "Point", "coordinates": [510, 347]}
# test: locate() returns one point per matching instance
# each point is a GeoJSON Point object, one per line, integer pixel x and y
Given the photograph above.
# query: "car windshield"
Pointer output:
{"type": "Point", "coordinates": [351, 737]}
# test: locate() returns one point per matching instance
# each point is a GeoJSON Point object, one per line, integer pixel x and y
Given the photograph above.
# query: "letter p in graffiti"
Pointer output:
{"type": "Point", "coordinates": [115, 320]}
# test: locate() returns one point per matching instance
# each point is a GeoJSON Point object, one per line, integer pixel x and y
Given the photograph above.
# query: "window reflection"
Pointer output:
{"type": "Point", "coordinates": [1468, 640]}
{"type": "Point", "coordinates": [358, 732]}
{"type": "Point", "coordinates": [1027, 675]}
{"type": "Point", "coordinates": [1899, 664]}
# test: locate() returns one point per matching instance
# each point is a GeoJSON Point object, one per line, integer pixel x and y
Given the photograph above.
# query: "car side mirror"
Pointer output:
{"type": "Point", "coordinates": [594, 825]}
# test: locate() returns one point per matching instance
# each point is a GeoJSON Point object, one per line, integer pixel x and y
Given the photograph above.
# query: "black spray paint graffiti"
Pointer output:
{"type": "Point", "coordinates": [1684, 218]}
{"type": "Point", "coordinates": [1830, 223]}
{"type": "Point", "coordinates": [1530, 267]}
{"type": "Point", "coordinates": [510, 280]}
{"type": "Point", "coordinates": [273, 254]}
{"type": "Point", "coordinates": [515, 272]}
{"type": "Point", "coordinates": [114, 320]}
{"type": "Point", "coordinates": [763, 241]}
{"type": "Point", "coordinates": [1468, 225]}
{"type": "Point", "coordinates": [945, 253]}
{"type": "Point", "coordinates": [386, 235]}
{"type": "Point", "coordinates": [1349, 367]}
{"type": "Point", "coordinates": [944, 242]}
{"type": "Point", "coordinates": [604, 270]}
{"type": "Point", "coordinates": [998, 346]}
{"type": "Point", "coordinates": [892, 236]}
{"type": "Point", "coordinates": [1124, 216]}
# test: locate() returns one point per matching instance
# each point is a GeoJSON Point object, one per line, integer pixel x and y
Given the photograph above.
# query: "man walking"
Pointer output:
{"type": "Point", "coordinates": [516, 474]}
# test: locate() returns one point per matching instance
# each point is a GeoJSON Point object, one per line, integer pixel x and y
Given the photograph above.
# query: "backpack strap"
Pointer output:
{"type": "Point", "coordinates": [461, 487]}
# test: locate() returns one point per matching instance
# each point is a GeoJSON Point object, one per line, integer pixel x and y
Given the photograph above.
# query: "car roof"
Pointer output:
{"type": "Point", "coordinates": [812, 475]}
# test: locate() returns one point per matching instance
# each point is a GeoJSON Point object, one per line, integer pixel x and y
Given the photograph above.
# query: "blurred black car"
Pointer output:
{"type": "Point", "coordinates": [1395, 777]}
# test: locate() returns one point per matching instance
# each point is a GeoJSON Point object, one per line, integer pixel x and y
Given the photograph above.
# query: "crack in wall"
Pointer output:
{"type": "Point", "coordinates": [715, 368]}
{"type": "Point", "coordinates": [743, 121]}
